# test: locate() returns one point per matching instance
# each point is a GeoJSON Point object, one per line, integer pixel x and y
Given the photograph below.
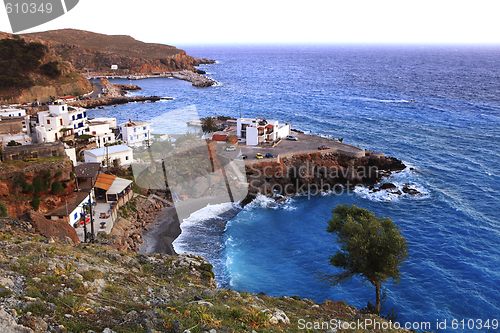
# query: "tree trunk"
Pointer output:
{"type": "Point", "coordinates": [377, 299]}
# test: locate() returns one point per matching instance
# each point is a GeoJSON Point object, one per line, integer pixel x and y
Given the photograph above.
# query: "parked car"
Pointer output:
{"type": "Point", "coordinates": [269, 155]}
{"type": "Point", "coordinates": [291, 137]}
{"type": "Point", "coordinates": [323, 147]}
{"type": "Point", "coordinates": [231, 148]}
{"type": "Point", "coordinates": [259, 155]}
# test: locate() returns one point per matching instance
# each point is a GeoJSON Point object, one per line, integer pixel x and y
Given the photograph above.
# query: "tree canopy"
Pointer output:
{"type": "Point", "coordinates": [209, 125]}
{"type": "Point", "coordinates": [371, 247]}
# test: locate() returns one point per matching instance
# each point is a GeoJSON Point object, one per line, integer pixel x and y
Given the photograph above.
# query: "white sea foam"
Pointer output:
{"type": "Point", "coordinates": [208, 212]}
{"type": "Point", "coordinates": [262, 201]}
{"type": "Point", "coordinates": [401, 179]}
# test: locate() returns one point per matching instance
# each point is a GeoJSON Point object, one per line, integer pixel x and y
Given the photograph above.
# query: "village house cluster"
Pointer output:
{"type": "Point", "coordinates": [99, 142]}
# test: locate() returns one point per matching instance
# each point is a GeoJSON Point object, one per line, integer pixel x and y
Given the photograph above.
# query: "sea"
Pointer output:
{"type": "Point", "coordinates": [436, 108]}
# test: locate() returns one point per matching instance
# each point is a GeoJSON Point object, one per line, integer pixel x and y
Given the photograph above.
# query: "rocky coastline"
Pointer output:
{"type": "Point", "coordinates": [311, 173]}
{"type": "Point", "coordinates": [108, 101]}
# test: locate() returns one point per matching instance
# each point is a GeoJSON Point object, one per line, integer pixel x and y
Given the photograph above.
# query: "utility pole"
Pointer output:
{"type": "Point", "coordinates": [91, 219]}
{"type": "Point", "coordinates": [84, 225]}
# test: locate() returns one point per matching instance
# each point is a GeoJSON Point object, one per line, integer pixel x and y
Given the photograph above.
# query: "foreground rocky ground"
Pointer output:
{"type": "Point", "coordinates": [61, 287]}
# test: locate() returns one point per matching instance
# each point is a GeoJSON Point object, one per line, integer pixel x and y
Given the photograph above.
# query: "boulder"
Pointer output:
{"type": "Point", "coordinates": [9, 325]}
{"type": "Point", "coordinates": [387, 186]}
{"type": "Point", "coordinates": [52, 228]}
{"type": "Point", "coordinates": [277, 317]}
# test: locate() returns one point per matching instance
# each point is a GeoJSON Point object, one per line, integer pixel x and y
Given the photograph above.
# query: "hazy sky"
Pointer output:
{"type": "Point", "coordinates": [267, 21]}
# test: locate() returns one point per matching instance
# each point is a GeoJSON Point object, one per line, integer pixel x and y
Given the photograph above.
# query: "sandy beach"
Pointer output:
{"type": "Point", "coordinates": [166, 226]}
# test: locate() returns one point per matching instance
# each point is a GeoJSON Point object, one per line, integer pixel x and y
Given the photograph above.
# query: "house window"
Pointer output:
{"type": "Point", "coordinates": [60, 122]}
{"type": "Point", "coordinates": [135, 130]}
{"type": "Point", "coordinates": [131, 138]}
{"type": "Point", "coordinates": [48, 121]}
{"type": "Point", "coordinates": [54, 152]}
{"type": "Point", "coordinates": [73, 117]}
{"type": "Point", "coordinates": [137, 137]}
{"type": "Point", "coordinates": [75, 216]}
{"type": "Point", "coordinates": [19, 114]}
{"type": "Point", "coordinates": [63, 107]}
{"type": "Point", "coordinates": [85, 113]}
{"type": "Point", "coordinates": [145, 135]}
{"type": "Point", "coordinates": [144, 128]}
{"type": "Point", "coordinates": [126, 157]}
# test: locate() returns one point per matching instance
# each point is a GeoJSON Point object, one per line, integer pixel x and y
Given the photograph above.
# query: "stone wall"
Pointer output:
{"type": "Point", "coordinates": [39, 150]}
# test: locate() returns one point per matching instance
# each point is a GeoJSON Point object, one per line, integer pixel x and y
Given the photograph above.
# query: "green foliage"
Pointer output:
{"type": "Point", "coordinates": [24, 185]}
{"type": "Point", "coordinates": [45, 173]}
{"type": "Point", "coordinates": [58, 174]}
{"type": "Point", "coordinates": [50, 69]}
{"type": "Point", "coordinates": [17, 59]}
{"type": "Point", "coordinates": [57, 187]}
{"type": "Point", "coordinates": [371, 247]}
{"type": "Point", "coordinates": [209, 125]}
{"type": "Point", "coordinates": [3, 210]}
{"type": "Point", "coordinates": [71, 175]}
{"type": "Point", "coordinates": [13, 143]}
{"type": "Point", "coordinates": [207, 270]}
{"type": "Point", "coordinates": [41, 184]}
{"type": "Point", "coordinates": [35, 202]}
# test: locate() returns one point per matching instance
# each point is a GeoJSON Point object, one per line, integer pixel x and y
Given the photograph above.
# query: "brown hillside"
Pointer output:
{"type": "Point", "coordinates": [86, 49]}
{"type": "Point", "coordinates": [69, 82]}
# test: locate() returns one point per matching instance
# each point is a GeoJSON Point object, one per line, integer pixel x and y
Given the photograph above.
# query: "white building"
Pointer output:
{"type": "Point", "coordinates": [12, 113]}
{"type": "Point", "coordinates": [74, 212]}
{"type": "Point", "coordinates": [102, 130]}
{"type": "Point", "coordinates": [135, 133]}
{"type": "Point", "coordinates": [61, 121]}
{"type": "Point", "coordinates": [122, 152]}
{"type": "Point", "coordinates": [255, 131]}
{"type": "Point", "coordinates": [14, 126]}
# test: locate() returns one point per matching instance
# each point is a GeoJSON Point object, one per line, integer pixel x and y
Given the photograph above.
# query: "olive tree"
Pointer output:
{"type": "Point", "coordinates": [371, 247]}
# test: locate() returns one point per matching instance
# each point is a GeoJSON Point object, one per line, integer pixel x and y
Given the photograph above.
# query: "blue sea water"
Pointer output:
{"type": "Point", "coordinates": [450, 136]}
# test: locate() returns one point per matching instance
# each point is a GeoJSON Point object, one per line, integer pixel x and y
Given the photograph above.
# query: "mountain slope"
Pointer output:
{"type": "Point", "coordinates": [86, 49]}
{"type": "Point", "coordinates": [30, 71]}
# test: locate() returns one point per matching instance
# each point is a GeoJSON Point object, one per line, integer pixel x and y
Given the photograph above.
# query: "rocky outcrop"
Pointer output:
{"type": "Point", "coordinates": [310, 173]}
{"type": "Point", "coordinates": [18, 201]}
{"type": "Point", "coordinates": [55, 229]}
{"type": "Point", "coordinates": [196, 79]}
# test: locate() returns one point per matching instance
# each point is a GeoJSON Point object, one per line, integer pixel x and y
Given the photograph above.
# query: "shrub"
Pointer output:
{"type": "Point", "coordinates": [207, 270]}
{"type": "Point", "coordinates": [13, 143]}
{"type": "Point", "coordinates": [3, 210]}
{"type": "Point", "coordinates": [39, 185]}
{"type": "Point", "coordinates": [57, 187]}
{"type": "Point", "coordinates": [50, 69]}
{"type": "Point", "coordinates": [58, 174]}
{"type": "Point", "coordinates": [35, 203]}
